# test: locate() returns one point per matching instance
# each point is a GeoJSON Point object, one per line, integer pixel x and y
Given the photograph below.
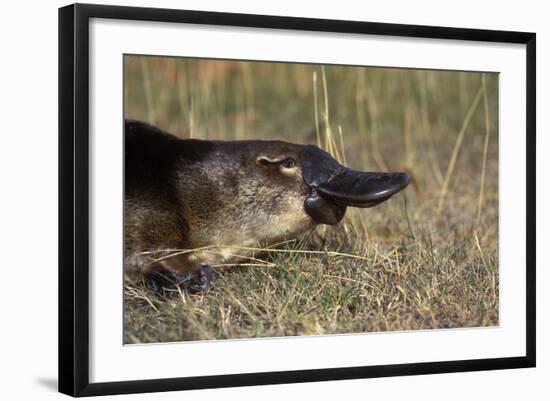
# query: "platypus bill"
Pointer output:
{"type": "Point", "coordinates": [186, 194]}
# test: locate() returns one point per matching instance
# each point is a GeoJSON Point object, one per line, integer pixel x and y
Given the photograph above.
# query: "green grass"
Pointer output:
{"type": "Point", "coordinates": [427, 258]}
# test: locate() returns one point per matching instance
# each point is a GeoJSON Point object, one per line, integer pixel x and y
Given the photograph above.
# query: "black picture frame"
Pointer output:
{"type": "Point", "coordinates": [74, 198]}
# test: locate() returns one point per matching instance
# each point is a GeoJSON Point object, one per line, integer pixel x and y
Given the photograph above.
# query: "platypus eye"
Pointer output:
{"type": "Point", "coordinates": [288, 163]}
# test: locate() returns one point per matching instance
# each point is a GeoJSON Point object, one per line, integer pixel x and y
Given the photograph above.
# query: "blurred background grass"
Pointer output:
{"type": "Point", "coordinates": [431, 253]}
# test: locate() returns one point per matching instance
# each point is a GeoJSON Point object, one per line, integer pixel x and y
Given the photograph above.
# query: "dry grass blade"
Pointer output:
{"type": "Point", "coordinates": [485, 149]}
{"type": "Point", "coordinates": [316, 109]}
{"type": "Point", "coordinates": [427, 127]}
{"type": "Point", "coordinates": [456, 149]}
{"type": "Point", "coordinates": [407, 139]}
{"type": "Point", "coordinates": [342, 148]}
{"type": "Point", "coordinates": [287, 242]}
{"type": "Point", "coordinates": [326, 115]}
{"type": "Point", "coordinates": [243, 265]}
{"type": "Point", "coordinates": [176, 252]}
{"type": "Point", "coordinates": [260, 262]}
{"type": "Point", "coordinates": [266, 250]}
{"type": "Point", "coordinates": [375, 130]}
{"type": "Point", "coordinates": [132, 292]}
{"type": "Point", "coordinates": [250, 258]}
{"type": "Point", "coordinates": [330, 144]}
{"type": "Point", "coordinates": [148, 89]}
{"type": "Point", "coordinates": [360, 110]}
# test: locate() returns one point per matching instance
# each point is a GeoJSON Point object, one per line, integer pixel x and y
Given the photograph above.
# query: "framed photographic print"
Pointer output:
{"type": "Point", "coordinates": [250, 199]}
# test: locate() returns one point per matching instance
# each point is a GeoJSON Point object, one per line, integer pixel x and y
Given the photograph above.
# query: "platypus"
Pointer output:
{"type": "Point", "coordinates": [209, 196]}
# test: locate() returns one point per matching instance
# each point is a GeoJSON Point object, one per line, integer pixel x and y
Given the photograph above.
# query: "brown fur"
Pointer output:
{"type": "Point", "coordinates": [186, 194]}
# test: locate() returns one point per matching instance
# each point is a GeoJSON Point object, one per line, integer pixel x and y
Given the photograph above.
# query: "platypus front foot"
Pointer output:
{"type": "Point", "coordinates": [202, 280]}
{"type": "Point", "coordinates": [194, 281]}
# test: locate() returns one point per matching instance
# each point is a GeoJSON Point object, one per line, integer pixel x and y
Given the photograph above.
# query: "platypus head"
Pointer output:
{"type": "Point", "coordinates": [327, 187]}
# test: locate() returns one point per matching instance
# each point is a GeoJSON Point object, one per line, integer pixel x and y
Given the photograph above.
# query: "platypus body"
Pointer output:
{"type": "Point", "coordinates": [210, 196]}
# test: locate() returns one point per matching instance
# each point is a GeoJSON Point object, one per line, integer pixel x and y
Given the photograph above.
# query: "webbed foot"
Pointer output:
{"type": "Point", "coordinates": [193, 281]}
{"type": "Point", "coordinates": [203, 280]}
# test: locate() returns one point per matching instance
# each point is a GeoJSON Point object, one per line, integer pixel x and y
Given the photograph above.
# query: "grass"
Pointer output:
{"type": "Point", "coordinates": [427, 258]}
